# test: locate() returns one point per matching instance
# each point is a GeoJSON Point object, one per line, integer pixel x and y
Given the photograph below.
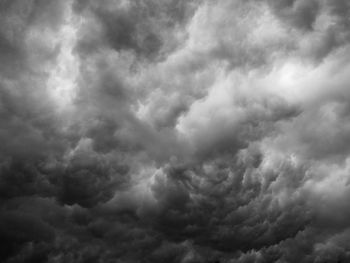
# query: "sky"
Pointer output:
{"type": "Point", "coordinates": [178, 131]}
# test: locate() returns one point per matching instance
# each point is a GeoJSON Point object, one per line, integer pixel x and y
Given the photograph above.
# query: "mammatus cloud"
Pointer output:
{"type": "Point", "coordinates": [174, 131]}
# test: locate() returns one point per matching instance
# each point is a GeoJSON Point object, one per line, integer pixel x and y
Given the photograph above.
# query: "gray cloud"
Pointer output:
{"type": "Point", "coordinates": [178, 131]}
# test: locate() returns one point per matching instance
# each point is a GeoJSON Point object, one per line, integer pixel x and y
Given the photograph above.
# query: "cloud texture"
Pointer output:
{"type": "Point", "coordinates": [174, 131]}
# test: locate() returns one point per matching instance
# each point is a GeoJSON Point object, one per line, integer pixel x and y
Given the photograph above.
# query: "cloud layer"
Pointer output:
{"type": "Point", "coordinates": [174, 131]}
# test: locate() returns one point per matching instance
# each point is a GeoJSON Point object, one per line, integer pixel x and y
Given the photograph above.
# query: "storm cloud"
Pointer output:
{"type": "Point", "coordinates": [174, 131]}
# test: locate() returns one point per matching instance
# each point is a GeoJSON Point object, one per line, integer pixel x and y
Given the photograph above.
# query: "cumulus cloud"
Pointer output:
{"type": "Point", "coordinates": [174, 131]}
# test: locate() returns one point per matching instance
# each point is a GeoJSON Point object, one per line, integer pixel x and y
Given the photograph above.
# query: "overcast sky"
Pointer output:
{"type": "Point", "coordinates": [175, 131]}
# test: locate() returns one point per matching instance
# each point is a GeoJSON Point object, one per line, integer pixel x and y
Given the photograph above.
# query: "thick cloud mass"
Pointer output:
{"type": "Point", "coordinates": [174, 131]}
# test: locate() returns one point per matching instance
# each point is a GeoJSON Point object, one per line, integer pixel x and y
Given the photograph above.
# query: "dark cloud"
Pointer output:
{"type": "Point", "coordinates": [174, 131]}
{"type": "Point", "coordinates": [301, 14]}
{"type": "Point", "coordinates": [314, 18]}
{"type": "Point", "coordinates": [142, 27]}
{"type": "Point", "coordinates": [228, 207]}
{"type": "Point", "coordinates": [88, 179]}
{"type": "Point", "coordinates": [24, 236]}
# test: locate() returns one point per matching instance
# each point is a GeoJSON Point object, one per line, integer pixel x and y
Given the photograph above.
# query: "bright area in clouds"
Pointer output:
{"type": "Point", "coordinates": [175, 131]}
{"type": "Point", "coordinates": [64, 74]}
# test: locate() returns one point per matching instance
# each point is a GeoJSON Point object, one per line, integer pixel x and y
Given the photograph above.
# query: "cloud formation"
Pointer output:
{"type": "Point", "coordinates": [174, 131]}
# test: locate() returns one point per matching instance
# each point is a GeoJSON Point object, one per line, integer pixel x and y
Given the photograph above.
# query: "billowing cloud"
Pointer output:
{"type": "Point", "coordinates": [174, 131]}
